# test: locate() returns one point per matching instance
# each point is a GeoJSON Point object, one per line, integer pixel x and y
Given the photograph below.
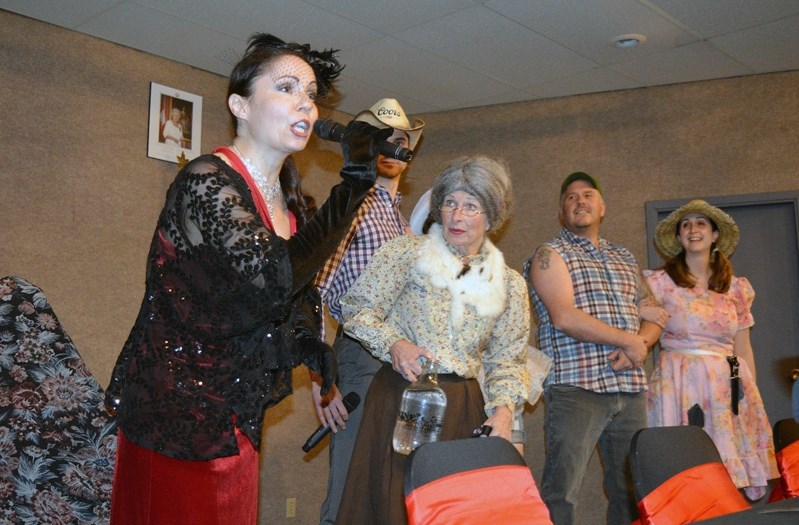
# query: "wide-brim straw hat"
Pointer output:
{"type": "Point", "coordinates": [387, 113]}
{"type": "Point", "coordinates": [666, 232]}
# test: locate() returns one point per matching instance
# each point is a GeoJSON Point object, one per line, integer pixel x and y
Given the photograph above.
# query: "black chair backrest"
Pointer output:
{"type": "Point", "coordinates": [786, 431]}
{"type": "Point", "coordinates": [436, 460]}
{"type": "Point", "coordinates": [658, 453]}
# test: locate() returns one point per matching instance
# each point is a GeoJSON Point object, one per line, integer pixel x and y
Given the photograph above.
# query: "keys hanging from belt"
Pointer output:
{"type": "Point", "coordinates": [735, 383]}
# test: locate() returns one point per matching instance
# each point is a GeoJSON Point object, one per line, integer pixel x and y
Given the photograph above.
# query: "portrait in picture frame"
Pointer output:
{"type": "Point", "coordinates": [175, 127]}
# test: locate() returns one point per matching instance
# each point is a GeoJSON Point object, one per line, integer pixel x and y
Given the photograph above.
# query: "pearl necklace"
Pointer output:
{"type": "Point", "coordinates": [269, 191]}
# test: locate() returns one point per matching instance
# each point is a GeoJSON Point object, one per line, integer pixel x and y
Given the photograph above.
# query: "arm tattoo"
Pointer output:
{"type": "Point", "coordinates": [543, 258]}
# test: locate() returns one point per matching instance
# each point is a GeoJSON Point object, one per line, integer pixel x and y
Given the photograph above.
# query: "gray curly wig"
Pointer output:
{"type": "Point", "coordinates": [484, 178]}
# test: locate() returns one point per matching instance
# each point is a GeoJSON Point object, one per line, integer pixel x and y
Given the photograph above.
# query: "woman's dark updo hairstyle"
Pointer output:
{"type": "Point", "coordinates": [302, 205]}
{"type": "Point", "coordinates": [262, 50]}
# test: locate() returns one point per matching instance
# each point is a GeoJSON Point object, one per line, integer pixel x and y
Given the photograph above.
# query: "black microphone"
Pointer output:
{"type": "Point", "coordinates": [327, 129]}
{"type": "Point", "coordinates": [351, 401]}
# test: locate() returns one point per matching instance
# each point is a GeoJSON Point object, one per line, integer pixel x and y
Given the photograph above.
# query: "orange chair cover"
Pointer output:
{"type": "Point", "coordinates": [700, 492]}
{"type": "Point", "coordinates": [777, 494]}
{"type": "Point", "coordinates": [504, 495]}
{"type": "Point", "coordinates": [788, 463]}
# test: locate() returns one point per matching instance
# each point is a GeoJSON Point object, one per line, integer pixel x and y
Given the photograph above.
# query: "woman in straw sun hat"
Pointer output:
{"type": "Point", "coordinates": [706, 373]}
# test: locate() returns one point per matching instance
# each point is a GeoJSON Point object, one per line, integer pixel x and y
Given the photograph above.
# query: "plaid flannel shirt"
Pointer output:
{"type": "Point", "coordinates": [378, 220]}
{"type": "Point", "coordinates": [605, 281]}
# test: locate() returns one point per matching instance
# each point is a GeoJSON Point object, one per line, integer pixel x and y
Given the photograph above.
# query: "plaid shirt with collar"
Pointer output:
{"type": "Point", "coordinates": [378, 220]}
{"type": "Point", "coordinates": [605, 281]}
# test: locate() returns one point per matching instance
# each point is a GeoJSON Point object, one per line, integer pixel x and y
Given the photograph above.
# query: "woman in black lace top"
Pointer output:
{"type": "Point", "coordinates": [226, 313]}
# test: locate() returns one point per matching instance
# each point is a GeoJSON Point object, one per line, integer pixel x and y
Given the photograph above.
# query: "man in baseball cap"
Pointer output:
{"type": "Point", "coordinates": [587, 293]}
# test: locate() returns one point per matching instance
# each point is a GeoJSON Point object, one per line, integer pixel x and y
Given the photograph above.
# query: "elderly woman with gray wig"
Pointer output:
{"type": "Point", "coordinates": [448, 296]}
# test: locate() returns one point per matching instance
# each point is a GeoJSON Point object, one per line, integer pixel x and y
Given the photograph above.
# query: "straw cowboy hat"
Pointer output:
{"type": "Point", "coordinates": [387, 113]}
{"type": "Point", "coordinates": [666, 231]}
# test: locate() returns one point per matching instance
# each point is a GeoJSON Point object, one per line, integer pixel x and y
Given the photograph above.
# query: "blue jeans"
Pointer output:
{"type": "Point", "coordinates": [356, 368]}
{"type": "Point", "coordinates": [576, 420]}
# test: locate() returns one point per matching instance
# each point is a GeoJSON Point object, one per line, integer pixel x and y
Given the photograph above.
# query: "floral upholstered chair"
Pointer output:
{"type": "Point", "coordinates": [57, 443]}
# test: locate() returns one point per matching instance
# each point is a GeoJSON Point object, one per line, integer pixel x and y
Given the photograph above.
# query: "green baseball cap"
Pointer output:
{"type": "Point", "coordinates": [579, 175]}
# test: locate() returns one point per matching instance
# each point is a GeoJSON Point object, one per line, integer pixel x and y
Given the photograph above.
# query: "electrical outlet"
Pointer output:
{"type": "Point", "coordinates": [291, 507]}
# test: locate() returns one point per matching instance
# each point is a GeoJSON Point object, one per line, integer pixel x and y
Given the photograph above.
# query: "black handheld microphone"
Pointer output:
{"type": "Point", "coordinates": [351, 401]}
{"type": "Point", "coordinates": [327, 129]}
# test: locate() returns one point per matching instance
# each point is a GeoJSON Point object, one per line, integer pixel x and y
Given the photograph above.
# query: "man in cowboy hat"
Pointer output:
{"type": "Point", "coordinates": [587, 293]}
{"type": "Point", "coordinates": [378, 220]}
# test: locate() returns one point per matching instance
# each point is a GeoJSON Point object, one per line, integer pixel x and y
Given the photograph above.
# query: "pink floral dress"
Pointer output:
{"type": "Point", "coordinates": [708, 321]}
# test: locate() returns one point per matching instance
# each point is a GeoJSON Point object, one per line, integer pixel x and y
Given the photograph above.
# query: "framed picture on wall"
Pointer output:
{"type": "Point", "coordinates": [175, 124]}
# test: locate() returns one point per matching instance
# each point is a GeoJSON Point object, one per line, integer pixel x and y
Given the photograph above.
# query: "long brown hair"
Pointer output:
{"type": "Point", "coordinates": [720, 266]}
{"type": "Point", "coordinates": [302, 205]}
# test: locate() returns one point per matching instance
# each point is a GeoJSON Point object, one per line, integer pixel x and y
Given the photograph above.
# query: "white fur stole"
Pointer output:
{"type": "Point", "coordinates": [482, 287]}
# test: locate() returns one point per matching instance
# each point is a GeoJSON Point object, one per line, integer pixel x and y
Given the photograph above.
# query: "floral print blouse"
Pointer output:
{"type": "Point", "coordinates": [414, 289]}
{"type": "Point", "coordinates": [702, 319]}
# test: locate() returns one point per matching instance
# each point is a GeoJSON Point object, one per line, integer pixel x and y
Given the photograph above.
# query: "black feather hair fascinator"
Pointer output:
{"type": "Point", "coordinates": [325, 65]}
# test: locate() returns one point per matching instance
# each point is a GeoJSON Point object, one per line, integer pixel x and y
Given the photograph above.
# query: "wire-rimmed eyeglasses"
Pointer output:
{"type": "Point", "coordinates": [469, 210]}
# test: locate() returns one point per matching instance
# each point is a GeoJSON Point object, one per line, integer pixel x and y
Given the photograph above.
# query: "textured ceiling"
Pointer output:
{"type": "Point", "coordinates": [439, 55]}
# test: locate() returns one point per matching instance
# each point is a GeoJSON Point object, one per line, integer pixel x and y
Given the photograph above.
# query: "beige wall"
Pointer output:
{"type": "Point", "coordinates": [721, 137]}
{"type": "Point", "coordinates": [80, 196]}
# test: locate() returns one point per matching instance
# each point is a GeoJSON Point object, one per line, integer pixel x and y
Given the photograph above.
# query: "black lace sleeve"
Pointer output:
{"type": "Point", "coordinates": [312, 351]}
{"type": "Point", "coordinates": [233, 272]}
